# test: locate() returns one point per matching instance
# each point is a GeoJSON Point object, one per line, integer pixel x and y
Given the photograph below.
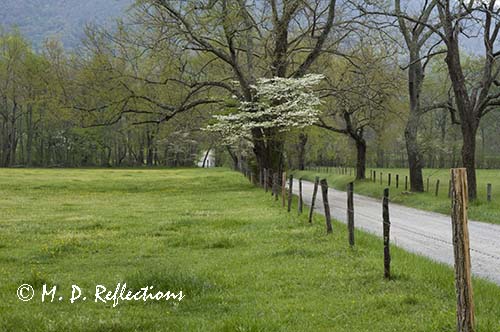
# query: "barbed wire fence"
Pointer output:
{"type": "Point", "coordinates": [460, 233]}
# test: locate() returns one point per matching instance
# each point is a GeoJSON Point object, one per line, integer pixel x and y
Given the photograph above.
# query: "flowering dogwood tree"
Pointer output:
{"type": "Point", "coordinates": [279, 104]}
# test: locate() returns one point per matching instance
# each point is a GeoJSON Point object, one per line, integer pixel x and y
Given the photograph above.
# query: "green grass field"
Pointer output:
{"type": "Point", "coordinates": [243, 262]}
{"type": "Point", "coordinates": [478, 210]}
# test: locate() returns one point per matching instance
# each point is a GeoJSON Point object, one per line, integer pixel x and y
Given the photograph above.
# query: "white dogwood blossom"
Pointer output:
{"type": "Point", "coordinates": [281, 103]}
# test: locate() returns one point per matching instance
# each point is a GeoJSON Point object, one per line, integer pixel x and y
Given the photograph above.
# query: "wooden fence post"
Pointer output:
{"type": "Point", "coordinates": [387, 234]}
{"type": "Point", "coordinates": [261, 182]}
{"type": "Point", "coordinates": [406, 182]}
{"type": "Point", "coordinates": [283, 189]}
{"type": "Point", "coordinates": [375, 176]}
{"type": "Point", "coordinates": [313, 202]}
{"type": "Point", "coordinates": [290, 192]}
{"type": "Point", "coordinates": [381, 177]}
{"type": "Point", "coordinates": [350, 212]}
{"type": "Point", "coordinates": [449, 189]}
{"type": "Point", "coordinates": [326, 206]}
{"type": "Point", "coordinates": [301, 202]}
{"type": "Point", "coordinates": [437, 187]}
{"type": "Point", "coordinates": [389, 180]}
{"type": "Point", "coordinates": [488, 192]}
{"type": "Point", "coordinates": [427, 184]}
{"type": "Point", "coordinates": [461, 249]}
{"type": "Point", "coordinates": [397, 180]}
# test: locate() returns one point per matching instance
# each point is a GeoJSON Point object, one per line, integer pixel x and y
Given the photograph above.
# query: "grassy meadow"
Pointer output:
{"type": "Point", "coordinates": [478, 210]}
{"type": "Point", "coordinates": [243, 262]}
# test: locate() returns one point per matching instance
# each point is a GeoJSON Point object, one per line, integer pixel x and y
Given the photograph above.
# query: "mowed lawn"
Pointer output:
{"type": "Point", "coordinates": [243, 262]}
{"type": "Point", "coordinates": [479, 210]}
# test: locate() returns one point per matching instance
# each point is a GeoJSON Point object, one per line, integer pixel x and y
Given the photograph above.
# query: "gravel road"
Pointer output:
{"type": "Point", "coordinates": [425, 233]}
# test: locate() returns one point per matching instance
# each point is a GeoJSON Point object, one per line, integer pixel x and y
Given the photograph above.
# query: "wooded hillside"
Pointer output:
{"type": "Point", "coordinates": [39, 19]}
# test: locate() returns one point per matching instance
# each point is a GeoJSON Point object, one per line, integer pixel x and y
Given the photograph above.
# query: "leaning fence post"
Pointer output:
{"type": "Point", "coordinates": [326, 206]}
{"type": "Point", "coordinates": [488, 192]}
{"type": "Point", "coordinates": [461, 249]}
{"type": "Point", "coordinates": [300, 196]}
{"type": "Point", "coordinates": [290, 192]}
{"type": "Point", "coordinates": [350, 212]}
{"type": "Point", "coordinates": [313, 202]}
{"type": "Point", "coordinates": [387, 230]}
{"type": "Point", "coordinates": [437, 187]}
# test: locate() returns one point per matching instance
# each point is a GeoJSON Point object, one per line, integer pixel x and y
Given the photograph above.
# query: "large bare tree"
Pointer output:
{"type": "Point", "coordinates": [456, 21]}
{"type": "Point", "coordinates": [243, 40]}
{"type": "Point", "coordinates": [473, 99]}
{"type": "Point", "coordinates": [420, 46]}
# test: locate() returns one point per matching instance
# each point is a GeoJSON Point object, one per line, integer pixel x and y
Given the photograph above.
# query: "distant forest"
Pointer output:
{"type": "Point", "coordinates": [284, 83]}
{"type": "Point", "coordinates": [65, 19]}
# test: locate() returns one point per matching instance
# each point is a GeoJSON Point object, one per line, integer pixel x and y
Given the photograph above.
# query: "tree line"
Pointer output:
{"type": "Point", "coordinates": [398, 87]}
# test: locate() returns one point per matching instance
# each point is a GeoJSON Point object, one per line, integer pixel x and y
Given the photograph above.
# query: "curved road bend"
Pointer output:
{"type": "Point", "coordinates": [421, 232]}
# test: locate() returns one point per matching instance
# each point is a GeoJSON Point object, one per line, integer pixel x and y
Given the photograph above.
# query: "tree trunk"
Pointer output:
{"type": "Point", "coordinates": [468, 158]}
{"type": "Point", "coordinates": [29, 143]}
{"type": "Point", "coordinates": [468, 119]}
{"type": "Point", "coordinates": [234, 158]}
{"type": "Point", "coordinates": [483, 163]}
{"type": "Point", "coordinates": [415, 80]}
{"type": "Point", "coordinates": [150, 148]}
{"type": "Point", "coordinates": [302, 150]}
{"type": "Point", "coordinates": [414, 158]}
{"type": "Point", "coordinates": [13, 137]}
{"type": "Point", "coordinates": [269, 151]}
{"type": "Point", "coordinates": [206, 157]}
{"type": "Point", "coordinates": [361, 159]}
{"type": "Point", "coordinates": [380, 158]}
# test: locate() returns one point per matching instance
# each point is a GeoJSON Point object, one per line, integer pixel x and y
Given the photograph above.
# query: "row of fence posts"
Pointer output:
{"type": "Point", "coordinates": [458, 193]}
{"type": "Point", "coordinates": [373, 178]}
{"type": "Point", "coordinates": [277, 183]}
{"type": "Point", "coordinates": [341, 170]}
